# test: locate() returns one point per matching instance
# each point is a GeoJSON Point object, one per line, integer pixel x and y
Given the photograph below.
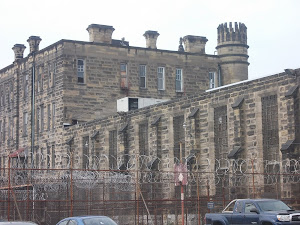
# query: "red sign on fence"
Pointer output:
{"type": "Point", "coordinates": [180, 174]}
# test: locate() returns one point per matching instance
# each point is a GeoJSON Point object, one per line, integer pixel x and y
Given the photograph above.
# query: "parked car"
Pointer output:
{"type": "Point", "coordinates": [87, 220]}
{"type": "Point", "coordinates": [255, 212]}
{"type": "Point", "coordinates": [17, 223]}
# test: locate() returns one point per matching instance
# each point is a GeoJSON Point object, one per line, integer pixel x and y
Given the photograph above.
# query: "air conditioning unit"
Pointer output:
{"type": "Point", "coordinates": [130, 103]}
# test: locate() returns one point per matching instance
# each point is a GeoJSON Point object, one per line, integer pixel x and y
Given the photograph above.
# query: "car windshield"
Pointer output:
{"type": "Point", "coordinates": [99, 221]}
{"type": "Point", "coordinates": [272, 206]}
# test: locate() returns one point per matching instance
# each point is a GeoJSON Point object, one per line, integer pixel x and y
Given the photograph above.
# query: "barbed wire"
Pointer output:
{"type": "Point", "coordinates": [125, 172]}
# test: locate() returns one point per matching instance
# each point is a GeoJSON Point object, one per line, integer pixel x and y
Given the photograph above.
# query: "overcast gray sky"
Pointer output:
{"type": "Point", "coordinates": [273, 25]}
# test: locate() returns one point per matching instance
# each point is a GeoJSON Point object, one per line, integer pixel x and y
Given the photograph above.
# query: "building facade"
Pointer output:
{"type": "Point", "coordinates": [58, 111]}
{"type": "Point", "coordinates": [70, 82]}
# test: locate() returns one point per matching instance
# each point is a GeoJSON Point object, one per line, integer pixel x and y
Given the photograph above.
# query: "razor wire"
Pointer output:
{"type": "Point", "coordinates": [124, 172]}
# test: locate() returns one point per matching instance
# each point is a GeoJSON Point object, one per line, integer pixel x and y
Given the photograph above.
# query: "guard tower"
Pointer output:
{"type": "Point", "coordinates": [233, 52]}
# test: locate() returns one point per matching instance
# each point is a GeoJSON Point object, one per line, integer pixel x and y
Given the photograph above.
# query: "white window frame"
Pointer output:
{"type": "Point", "coordinates": [81, 70]}
{"type": "Point", "coordinates": [212, 79]}
{"type": "Point", "coordinates": [179, 80]}
{"type": "Point", "coordinates": [161, 78]}
{"type": "Point", "coordinates": [143, 75]}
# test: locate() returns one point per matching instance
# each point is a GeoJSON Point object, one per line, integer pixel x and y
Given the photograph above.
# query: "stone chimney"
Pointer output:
{"type": "Point", "coordinates": [151, 38]}
{"type": "Point", "coordinates": [19, 51]}
{"type": "Point", "coordinates": [100, 33]}
{"type": "Point", "coordinates": [34, 42]}
{"type": "Point", "coordinates": [194, 44]}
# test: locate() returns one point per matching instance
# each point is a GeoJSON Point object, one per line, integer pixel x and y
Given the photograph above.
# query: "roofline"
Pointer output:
{"type": "Point", "coordinates": [103, 44]}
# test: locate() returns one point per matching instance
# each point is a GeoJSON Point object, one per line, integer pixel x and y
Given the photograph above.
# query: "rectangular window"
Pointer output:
{"type": "Point", "coordinates": [54, 74]}
{"type": "Point", "coordinates": [85, 152]}
{"type": "Point", "coordinates": [25, 85]}
{"type": "Point", "coordinates": [53, 116]}
{"type": "Point", "coordinates": [12, 128]}
{"type": "Point", "coordinates": [179, 137]}
{"type": "Point", "coordinates": [1, 130]}
{"type": "Point", "coordinates": [42, 118]}
{"type": "Point", "coordinates": [25, 122]}
{"type": "Point", "coordinates": [124, 77]}
{"type": "Point", "coordinates": [48, 117]}
{"type": "Point", "coordinates": [179, 81]}
{"type": "Point", "coordinates": [53, 157]}
{"type": "Point", "coordinates": [49, 75]}
{"type": "Point", "coordinates": [219, 78]}
{"type": "Point", "coordinates": [38, 75]}
{"type": "Point", "coordinates": [212, 80]}
{"type": "Point", "coordinates": [143, 139]}
{"type": "Point", "coordinates": [9, 126]}
{"type": "Point", "coordinates": [80, 71]}
{"type": "Point", "coordinates": [113, 149]}
{"type": "Point", "coordinates": [42, 80]}
{"type": "Point", "coordinates": [8, 96]}
{"type": "Point", "coordinates": [161, 78]}
{"type": "Point", "coordinates": [1, 94]}
{"type": "Point", "coordinates": [4, 126]}
{"type": "Point", "coordinates": [38, 120]}
{"type": "Point", "coordinates": [142, 76]}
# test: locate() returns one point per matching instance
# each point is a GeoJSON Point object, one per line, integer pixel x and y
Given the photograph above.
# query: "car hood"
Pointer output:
{"type": "Point", "coordinates": [283, 212]}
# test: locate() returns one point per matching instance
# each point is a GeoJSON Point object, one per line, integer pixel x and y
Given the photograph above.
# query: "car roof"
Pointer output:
{"type": "Point", "coordinates": [257, 200]}
{"type": "Point", "coordinates": [17, 223]}
{"type": "Point", "coordinates": [85, 216]}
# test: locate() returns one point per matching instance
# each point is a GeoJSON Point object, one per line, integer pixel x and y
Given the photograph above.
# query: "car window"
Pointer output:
{"type": "Point", "coordinates": [248, 207]}
{"type": "Point", "coordinates": [63, 222]}
{"type": "Point", "coordinates": [72, 222]}
{"type": "Point", "coordinates": [272, 205]}
{"type": "Point", "coordinates": [230, 207]}
{"type": "Point", "coordinates": [99, 221]}
{"type": "Point", "coordinates": [239, 207]}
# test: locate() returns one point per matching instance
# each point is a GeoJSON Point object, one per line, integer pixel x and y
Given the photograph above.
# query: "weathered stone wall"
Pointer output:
{"type": "Point", "coordinates": [244, 122]}
{"type": "Point", "coordinates": [97, 96]}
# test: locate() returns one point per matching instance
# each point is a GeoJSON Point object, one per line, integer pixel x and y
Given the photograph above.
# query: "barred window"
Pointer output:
{"type": "Point", "coordinates": [54, 74]}
{"type": "Point", "coordinates": [49, 75]}
{"type": "Point", "coordinates": [179, 136]}
{"type": "Point", "coordinates": [143, 139]}
{"type": "Point", "coordinates": [113, 149]}
{"type": "Point", "coordinates": [25, 85]}
{"type": "Point", "coordinates": [48, 116]}
{"type": "Point", "coordinates": [53, 116]}
{"type": "Point", "coordinates": [25, 122]}
{"type": "Point", "coordinates": [42, 118]}
{"type": "Point", "coordinates": [53, 156]}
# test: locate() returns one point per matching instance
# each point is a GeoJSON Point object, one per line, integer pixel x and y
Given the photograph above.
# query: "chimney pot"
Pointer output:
{"type": "Point", "coordinates": [19, 51]}
{"type": "Point", "coordinates": [151, 38]}
{"type": "Point", "coordinates": [100, 33]}
{"type": "Point", "coordinates": [194, 44]}
{"type": "Point", "coordinates": [34, 42]}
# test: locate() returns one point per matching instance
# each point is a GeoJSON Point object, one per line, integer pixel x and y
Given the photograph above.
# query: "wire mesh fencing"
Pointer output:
{"type": "Point", "coordinates": [139, 189]}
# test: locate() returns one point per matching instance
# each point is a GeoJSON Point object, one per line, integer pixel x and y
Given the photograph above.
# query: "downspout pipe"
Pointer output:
{"type": "Point", "coordinates": [32, 110]}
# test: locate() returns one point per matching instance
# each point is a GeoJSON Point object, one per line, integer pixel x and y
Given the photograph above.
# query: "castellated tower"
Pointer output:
{"type": "Point", "coordinates": [233, 52]}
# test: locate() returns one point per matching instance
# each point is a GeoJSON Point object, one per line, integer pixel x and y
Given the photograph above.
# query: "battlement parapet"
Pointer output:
{"type": "Point", "coordinates": [230, 34]}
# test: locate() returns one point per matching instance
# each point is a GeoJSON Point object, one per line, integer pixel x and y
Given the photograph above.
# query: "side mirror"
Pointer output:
{"type": "Point", "coordinates": [254, 210]}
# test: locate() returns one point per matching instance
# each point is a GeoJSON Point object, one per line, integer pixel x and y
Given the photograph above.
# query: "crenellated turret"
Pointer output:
{"type": "Point", "coordinates": [233, 52]}
{"type": "Point", "coordinates": [238, 34]}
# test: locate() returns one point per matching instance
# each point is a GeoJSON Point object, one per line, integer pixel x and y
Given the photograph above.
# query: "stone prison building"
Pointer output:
{"type": "Point", "coordinates": [105, 105]}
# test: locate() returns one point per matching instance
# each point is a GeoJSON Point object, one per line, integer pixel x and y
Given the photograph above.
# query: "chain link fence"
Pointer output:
{"type": "Point", "coordinates": [139, 190]}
